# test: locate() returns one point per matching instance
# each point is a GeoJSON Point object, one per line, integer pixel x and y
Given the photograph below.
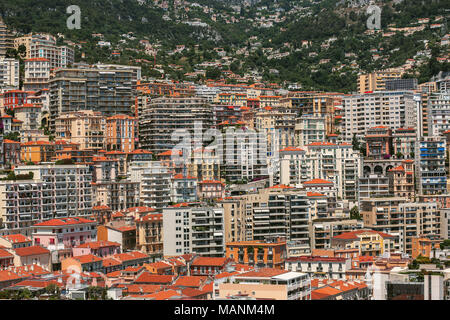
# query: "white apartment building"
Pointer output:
{"type": "Point", "coordinates": [197, 230]}
{"type": "Point", "coordinates": [37, 74]}
{"type": "Point", "coordinates": [155, 182]}
{"type": "Point", "coordinates": [320, 267]}
{"type": "Point", "coordinates": [9, 73]}
{"type": "Point", "coordinates": [309, 129]}
{"type": "Point", "coordinates": [54, 191]}
{"type": "Point", "coordinates": [337, 163]}
{"type": "Point", "coordinates": [439, 113]}
{"type": "Point", "coordinates": [393, 109]}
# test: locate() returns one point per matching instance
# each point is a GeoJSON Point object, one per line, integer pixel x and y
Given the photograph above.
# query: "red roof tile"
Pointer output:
{"type": "Point", "coordinates": [30, 251]}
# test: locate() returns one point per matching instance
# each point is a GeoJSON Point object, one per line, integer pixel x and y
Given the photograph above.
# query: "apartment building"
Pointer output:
{"type": "Point", "coordinates": [37, 74]}
{"type": "Point", "coordinates": [235, 219]}
{"type": "Point", "coordinates": [402, 219]}
{"type": "Point", "coordinates": [368, 242]}
{"type": "Point", "coordinates": [154, 180]}
{"type": "Point", "coordinates": [30, 115]}
{"type": "Point", "coordinates": [197, 230]}
{"type": "Point", "coordinates": [392, 109]}
{"type": "Point", "coordinates": [376, 81]}
{"type": "Point", "coordinates": [378, 142]}
{"type": "Point", "coordinates": [86, 128]}
{"type": "Point", "coordinates": [277, 124]}
{"type": "Point", "coordinates": [404, 142]}
{"type": "Point", "coordinates": [51, 191]}
{"type": "Point", "coordinates": [373, 185]}
{"type": "Point", "coordinates": [309, 129]}
{"type": "Point", "coordinates": [322, 230]}
{"type": "Point", "coordinates": [117, 195]}
{"type": "Point", "coordinates": [401, 180]}
{"type": "Point", "coordinates": [267, 283]}
{"type": "Point", "coordinates": [149, 234]}
{"type": "Point", "coordinates": [9, 72]}
{"type": "Point", "coordinates": [431, 176]}
{"type": "Point", "coordinates": [270, 253]}
{"type": "Point", "coordinates": [183, 189]}
{"type": "Point", "coordinates": [6, 39]}
{"type": "Point", "coordinates": [319, 267]}
{"type": "Point", "coordinates": [64, 233]}
{"type": "Point", "coordinates": [245, 155]}
{"type": "Point", "coordinates": [438, 109]}
{"type": "Point", "coordinates": [163, 116]}
{"type": "Point", "coordinates": [337, 163]}
{"type": "Point", "coordinates": [44, 46]}
{"type": "Point", "coordinates": [279, 211]}
{"type": "Point", "coordinates": [108, 89]}
{"type": "Point", "coordinates": [120, 133]}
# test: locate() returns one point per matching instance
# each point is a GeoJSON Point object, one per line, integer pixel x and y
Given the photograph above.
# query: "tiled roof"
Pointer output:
{"type": "Point", "coordinates": [164, 295]}
{"type": "Point", "coordinates": [147, 277]}
{"type": "Point", "coordinates": [291, 149]}
{"type": "Point", "coordinates": [262, 273]}
{"type": "Point", "coordinates": [190, 281]}
{"type": "Point", "coordinates": [64, 222]}
{"type": "Point", "coordinates": [281, 186]}
{"type": "Point", "coordinates": [354, 234]}
{"type": "Point", "coordinates": [209, 261]}
{"type": "Point", "coordinates": [87, 258]}
{"type": "Point", "coordinates": [99, 244]}
{"type": "Point", "coordinates": [192, 292]}
{"type": "Point", "coordinates": [110, 262]}
{"type": "Point", "coordinates": [318, 181]}
{"type": "Point", "coordinates": [16, 238]}
{"type": "Point", "coordinates": [29, 251]}
{"type": "Point", "coordinates": [5, 254]}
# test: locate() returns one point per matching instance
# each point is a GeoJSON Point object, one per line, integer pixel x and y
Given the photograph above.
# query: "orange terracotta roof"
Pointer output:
{"type": "Point", "coordinates": [87, 258]}
{"type": "Point", "coordinates": [163, 295]}
{"type": "Point", "coordinates": [315, 194]}
{"type": "Point", "coordinates": [5, 254]}
{"type": "Point", "coordinates": [64, 222]}
{"type": "Point", "coordinates": [291, 149]}
{"type": "Point", "coordinates": [262, 273]}
{"type": "Point", "coordinates": [98, 244]}
{"type": "Point", "coordinates": [190, 281]}
{"type": "Point", "coordinates": [147, 277]}
{"type": "Point", "coordinates": [110, 262]}
{"type": "Point", "coordinates": [180, 176]}
{"type": "Point", "coordinates": [209, 261]}
{"type": "Point", "coordinates": [281, 186]}
{"type": "Point", "coordinates": [16, 238]}
{"type": "Point", "coordinates": [317, 181]}
{"type": "Point", "coordinates": [30, 251]}
{"type": "Point", "coordinates": [354, 234]}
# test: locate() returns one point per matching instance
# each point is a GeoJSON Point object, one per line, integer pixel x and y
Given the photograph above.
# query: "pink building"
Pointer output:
{"type": "Point", "coordinates": [102, 249]}
{"type": "Point", "coordinates": [64, 233]}
{"type": "Point", "coordinates": [211, 189]}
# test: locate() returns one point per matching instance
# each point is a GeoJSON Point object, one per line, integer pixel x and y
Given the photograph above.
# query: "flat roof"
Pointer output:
{"type": "Point", "coordinates": [289, 275]}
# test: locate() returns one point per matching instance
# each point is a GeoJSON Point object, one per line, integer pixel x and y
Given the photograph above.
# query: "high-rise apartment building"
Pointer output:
{"type": "Point", "coordinates": [52, 191]}
{"type": "Point", "coordinates": [431, 176]}
{"type": "Point", "coordinates": [100, 88]}
{"type": "Point", "coordinates": [37, 74]}
{"type": "Point", "coordinates": [392, 109]}
{"type": "Point", "coordinates": [6, 39]}
{"type": "Point", "coordinates": [85, 127]}
{"type": "Point", "coordinates": [9, 74]}
{"type": "Point", "coordinates": [163, 116]}
{"type": "Point", "coordinates": [197, 230]}
{"type": "Point", "coordinates": [44, 46]}
{"type": "Point", "coordinates": [376, 81]}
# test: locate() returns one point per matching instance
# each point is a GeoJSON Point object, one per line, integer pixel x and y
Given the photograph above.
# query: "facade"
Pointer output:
{"type": "Point", "coordinates": [120, 133]}
{"type": "Point", "coordinates": [263, 254]}
{"type": "Point", "coordinates": [197, 230]}
{"type": "Point", "coordinates": [431, 175]}
{"type": "Point", "coordinates": [163, 116]}
{"type": "Point", "coordinates": [54, 191]}
{"type": "Point", "coordinates": [273, 284]}
{"type": "Point", "coordinates": [86, 128]}
{"type": "Point", "coordinates": [9, 72]}
{"type": "Point", "coordinates": [99, 88]}
{"type": "Point", "coordinates": [392, 109]}
{"type": "Point", "coordinates": [309, 129]}
{"type": "Point", "coordinates": [37, 74]}
{"type": "Point", "coordinates": [369, 243]}
{"type": "Point", "coordinates": [376, 81]}
{"type": "Point", "coordinates": [149, 234]}
{"type": "Point", "coordinates": [319, 267]}
{"type": "Point", "coordinates": [63, 233]}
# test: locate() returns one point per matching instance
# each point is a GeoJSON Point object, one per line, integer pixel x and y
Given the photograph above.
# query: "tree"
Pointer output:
{"type": "Point", "coordinates": [354, 213]}
{"type": "Point", "coordinates": [213, 73]}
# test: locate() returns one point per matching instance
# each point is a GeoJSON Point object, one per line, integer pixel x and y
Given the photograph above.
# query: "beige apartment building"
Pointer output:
{"type": "Point", "coordinates": [375, 81]}
{"type": "Point", "coordinates": [85, 127]}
